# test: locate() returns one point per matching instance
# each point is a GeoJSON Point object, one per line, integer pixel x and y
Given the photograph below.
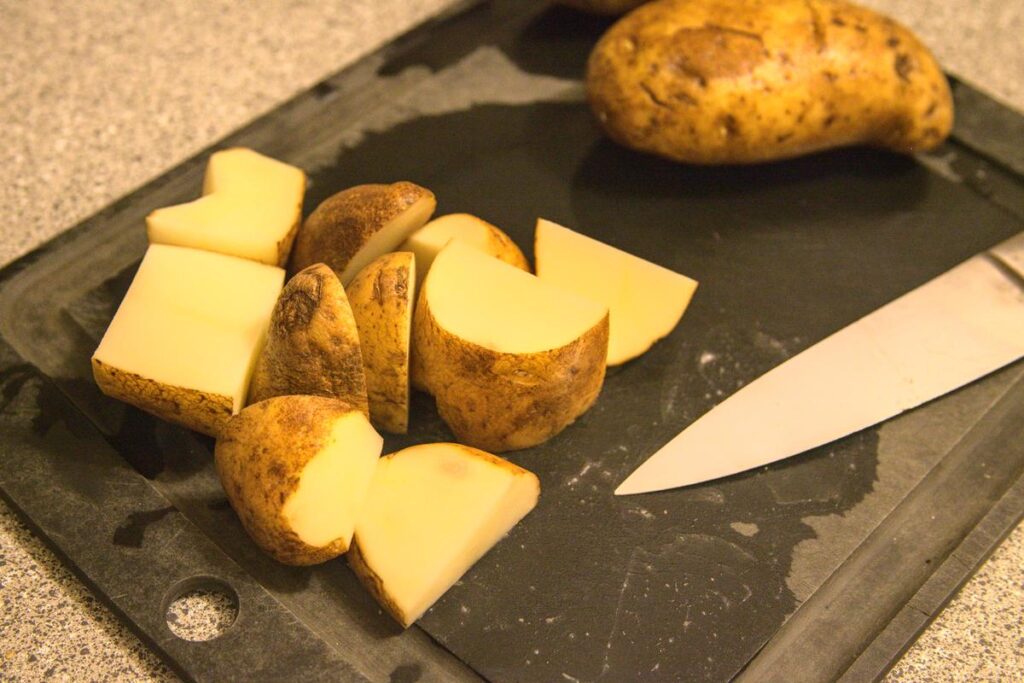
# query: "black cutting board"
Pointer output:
{"type": "Point", "coordinates": [700, 583]}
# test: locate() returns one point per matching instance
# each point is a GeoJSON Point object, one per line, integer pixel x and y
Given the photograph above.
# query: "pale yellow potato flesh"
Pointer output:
{"type": "Point", "coordinates": [333, 483]}
{"type": "Point", "coordinates": [645, 300]}
{"type": "Point", "coordinates": [251, 209]}
{"type": "Point", "coordinates": [429, 240]}
{"type": "Point", "coordinates": [296, 470]}
{"type": "Point", "coordinates": [499, 307]}
{"type": "Point", "coordinates": [382, 297]}
{"type": "Point", "coordinates": [432, 511]}
{"type": "Point", "coordinates": [184, 340]}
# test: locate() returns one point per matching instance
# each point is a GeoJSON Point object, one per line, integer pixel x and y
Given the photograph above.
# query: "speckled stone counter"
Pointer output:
{"type": "Point", "coordinates": [97, 97]}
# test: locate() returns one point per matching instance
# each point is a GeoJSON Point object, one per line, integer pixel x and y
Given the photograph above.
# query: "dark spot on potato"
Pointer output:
{"type": "Point", "coordinates": [860, 28]}
{"type": "Point", "coordinates": [729, 125]}
{"type": "Point", "coordinates": [931, 108]}
{"type": "Point", "coordinates": [658, 102]}
{"type": "Point", "coordinates": [276, 470]}
{"type": "Point", "coordinates": [893, 41]}
{"type": "Point", "coordinates": [817, 26]}
{"type": "Point", "coordinates": [378, 287]}
{"type": "Point", "coordinates": [296, 309]}
{"type": "Point", "coordinates": [402, 283]}
{"type": "Point", "coordinates": [782, 137]}
{"type": "Point", "coordinates": [837, 21]}
{"type": "Point", "coordinates": [903, 66]}
{"type": "Point", "coordinates": [831, 76]}
{"type": "Point", "coordinates": [829, 120]}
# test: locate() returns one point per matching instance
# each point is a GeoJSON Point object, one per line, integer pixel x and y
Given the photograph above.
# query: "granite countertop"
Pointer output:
{"type": "Point", "coordinates": [97, 98]}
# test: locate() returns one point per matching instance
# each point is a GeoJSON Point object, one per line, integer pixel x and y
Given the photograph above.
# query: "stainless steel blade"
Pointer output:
{"type": "Point", "coordinates": [950, 331]}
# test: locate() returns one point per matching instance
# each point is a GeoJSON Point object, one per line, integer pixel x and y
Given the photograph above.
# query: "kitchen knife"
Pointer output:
{"type": "Point", "coordinates": [952, 330]}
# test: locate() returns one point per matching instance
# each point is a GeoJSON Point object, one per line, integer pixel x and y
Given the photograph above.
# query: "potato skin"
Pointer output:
{"type": "Point", "coordinates": [345, 221]}
{"type": "Point", "coordinates": [746, 81]}
{"type": "Point", "coordinates": [381, 296]}
{"type": "Point", "coordinates": [501, 401]}
{"type": "Point", "coordinates": [312, 344]}
{"type": "Point", "coordinates": [260, 456]}
{"type": "Point", "coordinates": [205, 413]}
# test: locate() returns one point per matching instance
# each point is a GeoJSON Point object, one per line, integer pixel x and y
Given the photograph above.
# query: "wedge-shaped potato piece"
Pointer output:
{"type": "Point", "coordinates": [510, 359]}
{"type": "Point", "coordinates": [431, 513]}
{"type": "Point", "coordinates": [645, 300]}
{"type": "Point", "coordinates": [313, 344]}
{"type": "Point", "coordinates": [382, 302]}
{"type": "Point", "coordinates": [252, 208]}
{"type": "Point", "coordinates": [184, 340]}
{"type": "Point", "coordinates": [296, 469]}
{"type": "Point", "coordinates": [355, 226]}
{"type": "Point", "coordinates": [429, 240]}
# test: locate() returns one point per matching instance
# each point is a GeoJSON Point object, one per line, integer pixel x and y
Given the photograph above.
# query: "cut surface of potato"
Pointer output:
{"type": "Point", "coordinates": [355, 226]}
{"type": "Point", "coordinates": [510, 359]}
{"type": "Point", "coordinates": [502, 308]}
{"type": "Point", "coordinates": [382, 299]}
{"type": "Point", "coordinates": [429, 240]}
{"type": "Point", "coordinates": [251, 209]}
{"type": "Point", "coordinates": [645, 300]}
{"type": "Point", "coordinates": [184, 339]}
{"type": "Point", "coordinates": [432, 512]}
{"type": "Point", "coordinates": [296, 470]}
{"type": "Point", "coordinates": [313, 343]}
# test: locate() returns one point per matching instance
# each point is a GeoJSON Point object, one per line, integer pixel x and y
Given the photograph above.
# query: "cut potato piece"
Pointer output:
{"type": "Point", "coordinates": [252, 209]}
{"type": "Point", "coordinates": [431, 513]}
{"type": "Point", "coordinates": [296, 470]}
{"type": "Point", "coordinates": [313, 344]}
{"type": "Point", "coordinates": [381, 295]}
{"type": "Point", "coordinates": [645, 301]}
{"type": "Point", "coordinates": [432, 238]}
{"type": "Point", "coordinates": [510, 359]}
{"type": "Point", "coordinates": [184, 340]}
{"type": "Point", "coordinates": [355, 226]}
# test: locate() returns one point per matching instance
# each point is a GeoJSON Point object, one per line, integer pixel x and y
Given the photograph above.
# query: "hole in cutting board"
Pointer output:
{"type": "Point", "coordinates": [200, 608]}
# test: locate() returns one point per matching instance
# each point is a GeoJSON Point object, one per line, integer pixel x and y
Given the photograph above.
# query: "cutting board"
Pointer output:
{"type": "Point", "coordinates": [821, 566]}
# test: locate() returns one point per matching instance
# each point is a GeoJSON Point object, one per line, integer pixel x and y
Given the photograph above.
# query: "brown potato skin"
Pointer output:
{"type": "Point", "coordinates": [343, 222]}
{"type": "Point", "coordinates": [503, 402]}
{"type": "Point", "coordinates": [260, 456]}
{"type": "Point", "coordinates": [747, 81]}
{"type": "Point", "coordinates": [381, 296]}
{"type": "Point", "coordinates": [204, 413]}
{"type": "Point", "coordinates": [312, 344]}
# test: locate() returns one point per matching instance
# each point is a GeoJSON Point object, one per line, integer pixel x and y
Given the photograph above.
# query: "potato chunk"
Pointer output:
{"type": "Point", "coordinates": [382, 298]}
{"type": "Point", "coordinates": [429, 240]}
{"type": "Point", "coordinates": [296, 469]}
{"type": "Point", "coordinates": [645, 301]}
{"type": "Point", "coordinates": [510, 359]}
{"type": "Point", "coordinates": [355, 226]}
{"type": "Point", "coordinates": [432, 512]}
{"type": "Point", "coordinates": [184, 340]}
{"type": "Point", "coordinates": [313, 344]}
{"type": "Point", "coordinates": [251, 208]}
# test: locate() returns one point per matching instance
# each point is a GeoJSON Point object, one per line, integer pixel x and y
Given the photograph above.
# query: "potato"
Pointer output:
{"type": "Point", "coordinates": [355, 226]}
{"type": "Point", "coordinates": [606, 7]}
{"type": "Point", "coordinates": [745, 81]}
{"type": "Point", "coordinates": [184, 339]}
{"type": "Point", "coordinates": [381, 296]}
{"type": "Point", "coordinates": [645, 301]}
{"type": "Point", "coordinates": [429, 240]}
{"type": "Point", "coordinates": [313, 343]}
{"type": "Point", "coordinates": [296, 470]}
{"type": "Point", "coordinates": [510, 359]}
{"type": "Point", "coordinates": [432, 512]}
{"type": "Point", "coordinates": [251, 208]}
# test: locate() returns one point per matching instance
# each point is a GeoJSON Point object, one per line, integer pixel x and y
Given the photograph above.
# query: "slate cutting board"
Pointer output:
{"type": "Point", "coordinates": [743, 574]}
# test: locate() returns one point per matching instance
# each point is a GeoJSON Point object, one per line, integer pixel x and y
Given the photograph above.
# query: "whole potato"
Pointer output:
{"type": "Point", "coordinates": [745, 81]}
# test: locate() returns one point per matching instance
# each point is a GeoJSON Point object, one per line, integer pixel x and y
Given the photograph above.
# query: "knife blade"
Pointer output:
{"type": "Point", "coordinates": [950, 331]}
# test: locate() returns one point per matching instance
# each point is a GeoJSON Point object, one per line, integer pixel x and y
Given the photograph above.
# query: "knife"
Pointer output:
{"type": "Point", "coordinates": [948, 332]}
